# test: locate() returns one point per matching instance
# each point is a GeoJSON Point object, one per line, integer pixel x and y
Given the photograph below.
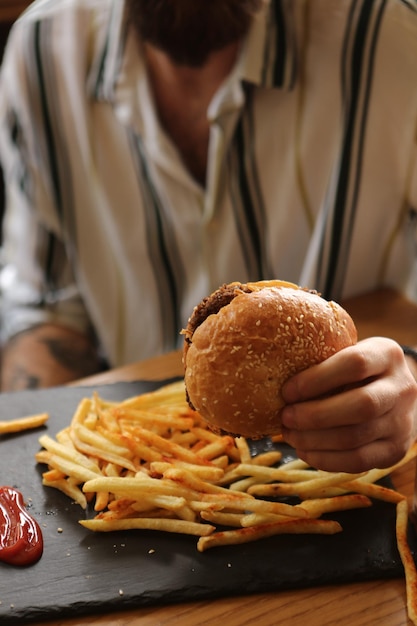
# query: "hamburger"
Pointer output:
{"type": "Point", "coordinates": [245, 340]}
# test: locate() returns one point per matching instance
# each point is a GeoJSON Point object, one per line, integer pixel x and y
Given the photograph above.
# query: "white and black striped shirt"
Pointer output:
{"type": "Point", "coordinates": [312, 173]}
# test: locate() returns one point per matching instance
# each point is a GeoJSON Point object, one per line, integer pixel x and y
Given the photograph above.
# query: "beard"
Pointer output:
{"type": "Point", "coordinates": [190, 30]}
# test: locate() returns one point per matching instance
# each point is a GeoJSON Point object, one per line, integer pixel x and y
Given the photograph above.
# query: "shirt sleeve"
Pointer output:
{"type": "Point", "coordinates": [37, 279]}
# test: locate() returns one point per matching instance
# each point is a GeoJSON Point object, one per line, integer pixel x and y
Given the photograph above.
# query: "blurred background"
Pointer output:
{"type": "Point", "coordinates": [9, 12]}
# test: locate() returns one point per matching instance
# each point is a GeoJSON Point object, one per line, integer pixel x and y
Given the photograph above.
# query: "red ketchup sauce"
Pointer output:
{"type": "Point", "coordinates": [21, 541]}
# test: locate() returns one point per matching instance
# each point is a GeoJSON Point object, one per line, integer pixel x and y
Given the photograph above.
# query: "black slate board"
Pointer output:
{"type": "Point", "coordinates": [83, 573]}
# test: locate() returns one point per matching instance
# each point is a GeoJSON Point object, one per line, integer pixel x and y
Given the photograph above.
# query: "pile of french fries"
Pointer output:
{"type": "Point", "coordinates": [150, 462]}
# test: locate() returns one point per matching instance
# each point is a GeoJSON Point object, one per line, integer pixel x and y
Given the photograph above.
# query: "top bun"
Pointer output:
{"type": "Point", "coordinates": [245, 341]}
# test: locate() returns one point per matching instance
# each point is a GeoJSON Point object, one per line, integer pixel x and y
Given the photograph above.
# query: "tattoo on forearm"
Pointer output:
{"type": "Point", "coordinates": [21, 379]}
{"type": "Point", "coordinates": [80, 360]}
{"type": "Point", "coordinates": [44, 357]}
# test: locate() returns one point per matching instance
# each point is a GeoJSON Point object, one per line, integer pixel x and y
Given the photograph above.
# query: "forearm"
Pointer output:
{"type": "Point", "coordinates": [47, 356]}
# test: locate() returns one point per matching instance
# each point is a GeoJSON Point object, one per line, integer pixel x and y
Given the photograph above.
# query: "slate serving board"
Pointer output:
{"type": "Point", "coordinates": [82, 573]}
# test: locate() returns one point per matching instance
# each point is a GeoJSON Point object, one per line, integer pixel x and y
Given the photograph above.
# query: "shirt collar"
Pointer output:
{"type": "Point", "coordinates": [269, 56]}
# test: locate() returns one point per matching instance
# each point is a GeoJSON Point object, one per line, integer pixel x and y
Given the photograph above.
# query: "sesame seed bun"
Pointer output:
{"type": "Point", "coordinates": [244, 341]}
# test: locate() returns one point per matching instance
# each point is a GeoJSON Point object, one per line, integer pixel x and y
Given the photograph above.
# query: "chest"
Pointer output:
{"type": "Point", "coordinates": [187, 126]}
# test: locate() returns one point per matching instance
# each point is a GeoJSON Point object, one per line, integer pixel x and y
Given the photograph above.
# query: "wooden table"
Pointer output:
{"type": "Point", "coordinates": [381, 603]}
{"type": "Point", "coordinates": [11, 9]}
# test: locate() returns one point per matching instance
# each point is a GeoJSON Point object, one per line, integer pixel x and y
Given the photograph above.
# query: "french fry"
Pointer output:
{"type": "Point", "coordinates": [203, 472]}
{"type": "Point", "coordinates": [70, 488]}
{"type": "Point", "coordinates": [244, 535]}
{"type": "Point", "coordinates": [198, 505]}
{"type": "Point", "coordinates": [269, 474]}
{"type": "Point", "coordinates": [260, 472]}
{"type": "Point", "coordinates": [23, 423]}
{"type": "Point", "coordinates": [295, 464]}
{"type": "Point", "coordinates": [144, 452]}
{"type": "Point", "coordinates": [160, 524]}
{"type": "Point", "coordinates": [256, 469]}
{"type": "Point", "coordinates": [102, 500]}
{"type": "Point", "coordinates": [374, 491]}
{"type": "Point", "coordinates": [53, 475]}
{"type": "Point", "coordinates": [243, 448]}
{"type": "Point", "coordinates": [407, 559]}
{"type": "Point", "coordinates": [92, 443]}
{"type": "Point", "coordinates": [69, 453]}
{"type": "Point", "coordinates": [244, 484]}
{"type": "Point", "coordinates": [314, 485]}
{"type": "Point", "coordinates": [254, 519]}
{"type": "Point", "coordinates": [168, 447]}
{"type": "Point", "coordinates": [267, 458]}
{"type": "Point", "coordinates": [216, 448]}
{"type": "Point", "coordinates": [220, 461]}
{"type": "Point", "coordinates": [136, 488]}
{"type": "Point", "coordinates": [192, 482]}
{"type": "Point", "coordinates": [243, 502]}
{"type": "Point", "coordinates": [219, 518]}
{"type": "Point", "coordinates": [70, 468]}
{"type": "Point", "coordinates": [316, 508]}
{"type": "Point", "coordinates": [274, 490]}
{"type": "Point", "coordinates": [152, 419]}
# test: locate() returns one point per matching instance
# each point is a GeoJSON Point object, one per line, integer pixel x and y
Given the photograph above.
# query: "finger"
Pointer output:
{"type": "Point", "coordinates": [367, 359]}
{"type": "Point", "coordinates": [344, 438]}
{"type": "Point", "coordinates": [379, 454]}
{"type": "Point", "coordinates": [353, 406]}
{"type": "Point", "coordinates": [389, 427]}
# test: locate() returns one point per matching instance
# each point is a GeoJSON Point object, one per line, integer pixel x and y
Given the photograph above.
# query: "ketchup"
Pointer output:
{"type": "Point", "coordinates": [21, 541]}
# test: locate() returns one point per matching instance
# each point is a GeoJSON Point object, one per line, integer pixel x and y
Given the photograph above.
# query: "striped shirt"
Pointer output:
{"type": "Point", "coordinates": [312, 168]}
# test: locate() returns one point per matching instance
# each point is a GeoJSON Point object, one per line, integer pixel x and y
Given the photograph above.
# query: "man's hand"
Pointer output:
{"type": "Point", "coordinates": [354, 411]}
{"type": "Point", "coordinates": [46, 356]}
